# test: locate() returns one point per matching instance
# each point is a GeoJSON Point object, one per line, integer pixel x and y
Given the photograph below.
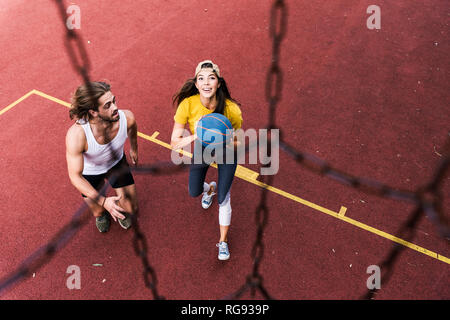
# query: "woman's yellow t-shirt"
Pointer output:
{"type": "Point", "coordinates": [191, 109]}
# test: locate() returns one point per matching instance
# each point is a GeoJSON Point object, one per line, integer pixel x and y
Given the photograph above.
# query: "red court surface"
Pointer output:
{"type": "Point", "coordinates": [373, 103]}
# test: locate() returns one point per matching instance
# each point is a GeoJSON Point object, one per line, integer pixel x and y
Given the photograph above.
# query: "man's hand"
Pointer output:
{"type": "Point", "coordinates": [114, 210]}
{"type": "Point", "coordinates": [134, 156]}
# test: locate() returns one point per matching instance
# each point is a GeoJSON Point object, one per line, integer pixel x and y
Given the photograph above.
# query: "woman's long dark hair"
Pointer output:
{"type": "Point", "coordinates": [189, 89]}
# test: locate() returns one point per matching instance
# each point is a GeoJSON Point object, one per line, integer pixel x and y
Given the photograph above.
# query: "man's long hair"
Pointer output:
{"type": "Point", "coordinates": [86, 98]}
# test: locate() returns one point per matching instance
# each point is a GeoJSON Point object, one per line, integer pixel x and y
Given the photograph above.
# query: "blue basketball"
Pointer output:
{"type": "Point", "coordinates": [214, 129]}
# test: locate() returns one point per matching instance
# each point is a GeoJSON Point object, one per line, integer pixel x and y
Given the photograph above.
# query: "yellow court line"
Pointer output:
{"type": "Point", "coordinates": [152, 138]}
{"type": "Point", "coordinates": [16, 102]}
{"type": "Point", "coordinates": [46, 96]}
{"type": "Point", "coordinates": [251, 176]}
{"type": "Point", "coordinates": [342, 211]}
{"type": "Point", "coordinates": [339, 215]}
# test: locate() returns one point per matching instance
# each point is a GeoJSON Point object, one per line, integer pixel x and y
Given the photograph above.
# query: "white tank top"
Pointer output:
{"type": "Point", "coordinates": [99, 158]}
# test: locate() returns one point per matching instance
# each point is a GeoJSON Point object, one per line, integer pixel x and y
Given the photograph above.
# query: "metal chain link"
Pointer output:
{"type": "Point", "coordinates": [46, 252]}
{"type": "Point", "coordinates": [80, 218]}
{"type": "Point", "coordinates": [140, 248]}
{"type": "Point", "coordinates": [274, 86]}
{"type": "Point", "coordinates": [428, 197]}
{"type": "Point", "coordinates": [74, 45]}
{"type": "Point", "coordinates": [80, 62]}
{"type": "Point", "coordinates": [274, 80]}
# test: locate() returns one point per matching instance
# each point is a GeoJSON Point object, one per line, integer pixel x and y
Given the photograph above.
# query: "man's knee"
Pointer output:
{"type": "Point", "coordinates": [135, 206]}
{"type": "Point", "coordinates": [132, 205]}
{"type": "Point", "coordinates": [129, 203]}
{"type": "Point", "coordinates": [96, 210]}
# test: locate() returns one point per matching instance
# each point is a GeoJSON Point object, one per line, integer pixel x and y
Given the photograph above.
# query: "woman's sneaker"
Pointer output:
{"type": "Point", "coordinates": [224, 253]}
{"type": "Point", "coordinates": [103, 222]}
{"type": "Point", "coordinates": [207, 198]}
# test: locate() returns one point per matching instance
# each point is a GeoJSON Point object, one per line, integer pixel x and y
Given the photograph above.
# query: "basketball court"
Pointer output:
{"type": "Point", "coordinates": [371, 103]}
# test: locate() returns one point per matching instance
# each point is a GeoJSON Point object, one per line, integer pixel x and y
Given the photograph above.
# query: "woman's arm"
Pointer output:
{"type": "Point", "coordinates": [179, 138]}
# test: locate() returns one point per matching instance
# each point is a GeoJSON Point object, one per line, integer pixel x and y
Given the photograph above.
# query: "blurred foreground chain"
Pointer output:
{"type": "Point", "coordinates": [427, 199]}
{"type": "Point", "coordinates": [274, 86]}
{"type": "Point", "coordinates": [80, 62]}
{"type": "Point", "coordinates": [75, 48]}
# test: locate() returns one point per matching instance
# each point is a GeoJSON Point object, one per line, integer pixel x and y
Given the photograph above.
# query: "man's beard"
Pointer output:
{"type": "Point", "coordinates": [109, 119]}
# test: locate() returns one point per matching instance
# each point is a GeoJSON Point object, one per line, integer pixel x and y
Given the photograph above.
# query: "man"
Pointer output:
{"type": "Point", "coordinates": [94, 152]}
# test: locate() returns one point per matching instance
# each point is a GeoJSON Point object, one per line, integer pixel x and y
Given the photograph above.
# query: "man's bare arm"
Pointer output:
{"type": "Point", "coordinates": [132, 135]}
{"type": "Point", "coordinates": [75, 145]}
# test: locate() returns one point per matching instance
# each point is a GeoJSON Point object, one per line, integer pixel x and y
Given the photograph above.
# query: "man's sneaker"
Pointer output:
{"type": "Point", "coordinates": [207, 198]}
{"type": "Point", "coordinates": [224, 254]}
{"type": "Point", "coordinates": [125, 223]}
{"type": "Point", "coordinates": [103, 222]}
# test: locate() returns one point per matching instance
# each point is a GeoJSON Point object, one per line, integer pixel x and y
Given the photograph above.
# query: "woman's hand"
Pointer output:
{"type": "Point", "coordinates": [182, 142]}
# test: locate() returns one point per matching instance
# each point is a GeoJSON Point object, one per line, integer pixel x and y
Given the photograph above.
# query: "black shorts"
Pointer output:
{"type": "Point", "coordinates": [118, 176]}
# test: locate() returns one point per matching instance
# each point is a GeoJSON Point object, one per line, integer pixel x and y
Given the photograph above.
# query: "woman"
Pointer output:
{"type": "Point", "coordinates": [206, 93]}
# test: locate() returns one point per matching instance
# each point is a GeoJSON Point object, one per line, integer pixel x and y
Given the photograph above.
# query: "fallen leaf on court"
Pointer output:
{"type": "Point", "coordinates": [98, 265]}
